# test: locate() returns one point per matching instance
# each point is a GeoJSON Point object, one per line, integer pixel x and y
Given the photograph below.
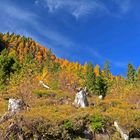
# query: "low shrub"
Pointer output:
{"type": "Point", "coordinates": [97, 123]}
{"type": "Point", "coordinates": [68, 124]}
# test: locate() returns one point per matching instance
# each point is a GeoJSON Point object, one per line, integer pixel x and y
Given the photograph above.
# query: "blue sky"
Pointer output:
{"type": "Point", "coordinates": [79, 30]}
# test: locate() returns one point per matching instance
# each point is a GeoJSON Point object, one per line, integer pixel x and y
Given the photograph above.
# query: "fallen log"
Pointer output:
{"type": "Point", "coordinates": [44, 85]}
{"type": "Point", "coordinates": [122, 132]}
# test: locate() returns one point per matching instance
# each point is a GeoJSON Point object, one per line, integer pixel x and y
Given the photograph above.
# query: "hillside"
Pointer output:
{"type": "Point", "coordinates": [51, 114]}
{"type": "Point", "coordinates": [22, 46]}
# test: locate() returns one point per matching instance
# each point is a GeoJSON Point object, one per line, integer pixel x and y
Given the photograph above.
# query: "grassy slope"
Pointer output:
{"type": "Point", "coordinates": [116, 106]}
{"type": "Point", "coordinates": [119, 104]}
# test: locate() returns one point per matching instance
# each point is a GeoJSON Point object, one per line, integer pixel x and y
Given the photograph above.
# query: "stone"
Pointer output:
{"type": "Point", "coordinates": [101, 97]}
{"type": "Point", "coordinates": [81, 99]}
{"type": "Point", "coordinates": [16, 105]}
{"type": "Point", "coordinates": [134, 134]}
{"type": "Point", "coordinates": [88, 135]}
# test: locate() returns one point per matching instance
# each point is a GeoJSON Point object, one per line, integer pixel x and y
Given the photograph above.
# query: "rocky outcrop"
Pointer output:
{"type": "Point", "coordinates": [16, 105]}
{"type": "Point", "coordinates": [81, 99]}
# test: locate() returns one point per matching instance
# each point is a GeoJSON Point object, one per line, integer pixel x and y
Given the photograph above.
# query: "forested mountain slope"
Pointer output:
{"type": "Point", "coordinates": [51, 114]}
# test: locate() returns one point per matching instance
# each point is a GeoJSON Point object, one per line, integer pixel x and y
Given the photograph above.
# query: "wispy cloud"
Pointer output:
{"type": "Point", "coordinates": [14, 12]}
{"type": "Point", "coordinates": [13, 17]}
{"type": "Point", "coordinates": [123, 5]}
{"type": "Point", "coordinates": [77, 8]}
{"type": "Point", "coordinates": [82, 8]}
{"type": "Point", "coordinates": [54, 37]}
{"type": "Point", "coordinates": [15, 20]}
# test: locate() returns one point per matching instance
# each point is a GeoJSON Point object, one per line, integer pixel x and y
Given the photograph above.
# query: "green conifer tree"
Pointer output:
{"type": "Point", "coordinates": [101, 86]}
{"type": "Point", "coordinates": [106, 69]}
{"type": "Point", "coordinates": [138, 74]}
{"type": "Point", "coordinates": [130, 73]}
{"type": "Point", "coordinates": [90, 77]}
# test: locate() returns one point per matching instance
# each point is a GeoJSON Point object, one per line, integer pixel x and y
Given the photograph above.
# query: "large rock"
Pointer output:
{"type": "Point", "coordinates": [81, 99]}
{"type": "Point", "coordinates": [16, 105]}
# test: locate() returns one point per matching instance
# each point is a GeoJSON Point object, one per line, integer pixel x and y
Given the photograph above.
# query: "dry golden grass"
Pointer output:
{"type": "Point", "coordinates": [118, 106]}
{"type": "Point", "coordinates": [3, 107]}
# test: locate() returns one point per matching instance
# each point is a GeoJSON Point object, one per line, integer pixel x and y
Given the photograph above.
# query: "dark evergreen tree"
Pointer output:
{"type": "Point", "coordinates": [138, 73]}
{"type": "Point", "coordinates": [6, 66]}
{"type": "Point", "coordinates": [101, 86]}
{"type": "Point", "coordinates": [130, 73]}
{"type": "Point", "coordinates": [106, 69]}
{"type": "Point", "coordinates": [90, 77]}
